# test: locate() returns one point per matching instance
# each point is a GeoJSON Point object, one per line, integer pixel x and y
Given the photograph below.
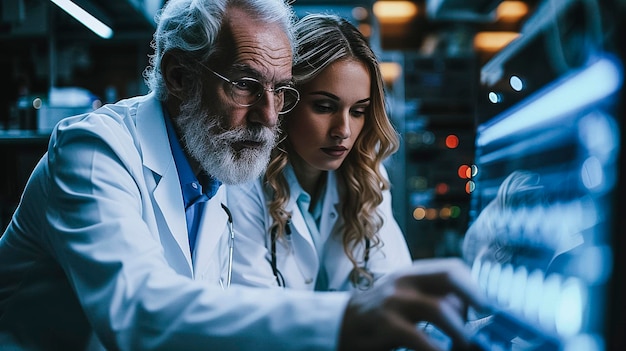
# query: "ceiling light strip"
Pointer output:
{"type": "Point", "coordinates": [84, 17]}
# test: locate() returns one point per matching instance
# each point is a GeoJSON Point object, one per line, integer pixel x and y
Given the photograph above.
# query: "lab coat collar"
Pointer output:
{"type": "Point", "coordinates": [211, 251]}
{"type": "Point", "coordinates": [152, 135]}
{"type": "Point", "coordinates": [157, 156]}
{"type": "Point", "coordinates": [303, 243]}
{"type": "Point", "coordinates": [330, 211]}
{"type": "Point", "coordinates": [331, 206]}
{"type": "Point", "coordinates": [300, 237]}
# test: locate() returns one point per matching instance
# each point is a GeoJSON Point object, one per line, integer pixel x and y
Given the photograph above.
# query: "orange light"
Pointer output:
{"type": "Point", "coordinates": [365, 29]}
{"type": "Point", "coordinates": [397, 12]}
{"type": "Point", "coordinates": [464, 172]}
{"type": "Point", "coordinates": [452, 141]}
{"type": "Point", "coordinates": [470, 186]}
{"type": "Point", "coordinates": [441, 188]}
{"type": "Point", "coordinates": [390, 71]}
{"type": "Point", "coordinates": [511, 11]}
{"type": "Point", "coordinates": [493, 41]}
{"type": "Point", "coordinates": [431, 214]}
{"type": "Point", "coordinates": [445, 213]}
{"type": "Point", "coordinates": [419, 213]}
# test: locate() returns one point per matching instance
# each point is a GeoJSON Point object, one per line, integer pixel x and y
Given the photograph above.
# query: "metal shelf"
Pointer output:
{"type": "Point", "coordinates": [16, 137]}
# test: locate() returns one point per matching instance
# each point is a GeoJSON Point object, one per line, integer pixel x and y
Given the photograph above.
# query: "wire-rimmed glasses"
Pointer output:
{"type": "Point", "coordinates": [248, 91]}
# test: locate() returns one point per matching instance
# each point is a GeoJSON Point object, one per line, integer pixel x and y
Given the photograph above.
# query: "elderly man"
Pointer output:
{"type": "Point", "coordinates": [122, 239]}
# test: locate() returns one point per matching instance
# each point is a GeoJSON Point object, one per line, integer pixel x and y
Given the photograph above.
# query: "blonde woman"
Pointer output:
{"type": "Point", "coordinates": [321, 218]}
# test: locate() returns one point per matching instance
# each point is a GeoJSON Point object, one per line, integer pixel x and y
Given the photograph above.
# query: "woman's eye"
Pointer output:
{"type": "Point", "coordinates": [323, 108]}
{"type": "Point", "coordinates": [358, 113]}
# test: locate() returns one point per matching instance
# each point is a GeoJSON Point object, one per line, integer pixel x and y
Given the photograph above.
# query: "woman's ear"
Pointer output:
{"type": "Point", "coordinates": [174, 75]}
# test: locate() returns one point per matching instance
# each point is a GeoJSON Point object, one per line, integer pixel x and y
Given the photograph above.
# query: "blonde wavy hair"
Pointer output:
{"type": "Point", "coordinates": [321, 40]}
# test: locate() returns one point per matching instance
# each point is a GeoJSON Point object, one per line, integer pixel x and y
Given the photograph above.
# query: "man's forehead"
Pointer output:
{"type": "Point", "coordinates": [258, 46]}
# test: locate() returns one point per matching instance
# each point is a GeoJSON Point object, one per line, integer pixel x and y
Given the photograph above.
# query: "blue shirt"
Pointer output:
{"type": "Point", "coordinates": [195, 192]}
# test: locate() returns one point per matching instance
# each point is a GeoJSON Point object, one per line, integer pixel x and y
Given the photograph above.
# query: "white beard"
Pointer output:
{"type": "Point", "coordinates": [208, 142]}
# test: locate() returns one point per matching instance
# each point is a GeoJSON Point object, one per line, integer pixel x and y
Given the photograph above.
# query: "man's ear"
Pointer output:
{"type": "Point", "coordinates": [174, 74]}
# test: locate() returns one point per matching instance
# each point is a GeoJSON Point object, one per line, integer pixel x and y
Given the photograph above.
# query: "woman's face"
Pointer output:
{"type": "Point", "coordinates": [330, 116]}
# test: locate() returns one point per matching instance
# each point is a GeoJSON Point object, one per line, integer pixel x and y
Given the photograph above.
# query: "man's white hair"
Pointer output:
{"type": "Point", "coordinates": [193, 26]}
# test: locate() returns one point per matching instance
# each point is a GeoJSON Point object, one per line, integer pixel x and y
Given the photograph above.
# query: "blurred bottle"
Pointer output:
{"type": "Point", "coordinates": [26, 113]}
{"type": "Point", "coordinates": [22, 114]}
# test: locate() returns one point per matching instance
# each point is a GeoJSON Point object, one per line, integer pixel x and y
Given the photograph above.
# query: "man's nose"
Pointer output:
{"type": "Point", "coordinates": [264, 112]}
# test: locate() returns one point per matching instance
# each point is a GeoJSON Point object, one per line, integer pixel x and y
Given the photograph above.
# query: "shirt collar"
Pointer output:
{"type": "Point", "coordinates": [301, 196]}
{"type": "Point", "coordinates": [192, 188]}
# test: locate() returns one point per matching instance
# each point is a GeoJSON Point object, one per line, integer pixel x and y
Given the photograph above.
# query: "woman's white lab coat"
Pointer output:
{"type": "Point", "coordinates": [297, 258]}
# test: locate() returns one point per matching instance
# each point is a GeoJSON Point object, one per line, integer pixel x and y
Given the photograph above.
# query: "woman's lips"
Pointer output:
{"type": "Point", "coordinates": [336, 151]}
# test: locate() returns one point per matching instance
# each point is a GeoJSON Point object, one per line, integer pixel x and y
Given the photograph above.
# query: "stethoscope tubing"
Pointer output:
{"type": "Point", "coordinates": [231, 246]}
{"type": "Point", "coordinates": [280, 279]}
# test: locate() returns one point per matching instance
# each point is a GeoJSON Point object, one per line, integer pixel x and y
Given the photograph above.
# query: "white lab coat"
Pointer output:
{"type": "Point", "coordinates": [99, 244]}
{"type": "Point", "coordinates": [297, 258]}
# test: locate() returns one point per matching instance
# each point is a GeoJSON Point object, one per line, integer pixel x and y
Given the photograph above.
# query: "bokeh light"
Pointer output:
{"type": "Point", "coordinates": [470, 186]}
{"type": "Point", "coordinates": [419, 213]}
{"type": "Point", "coordinates": [464, 172]}
{"type": "Point", "coordinates": [442, 188]}
{"type": "Point", "coordinates": [452, 141]}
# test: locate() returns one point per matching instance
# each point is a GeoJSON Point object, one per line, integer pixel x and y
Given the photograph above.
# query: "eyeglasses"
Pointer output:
{"type": "Point", "coordinates": [248, 91]}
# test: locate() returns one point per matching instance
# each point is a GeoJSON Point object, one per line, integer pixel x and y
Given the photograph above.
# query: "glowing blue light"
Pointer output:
{"type": "Point", "coordinates": [518, 289]}
{"type": "Point", "coordinates": [494, 97]}
{"type": "Point", "coordinates": [516, 83]}
{"type": "Point", "coordinates": [584, 342]}
{"type": "Point", "coordinates": [591, 173]}
{"type": "Point", "coordinates": [600, 135]}
{"type": "Point", "coordinates": [533, 295]}
{"type": "Point", "coordinates": [504, 289]}
{"type": "Point", "coordinates": [569, 312]}
{"type": "Point", "coordinates": [549, 302]}
{"type": "Point", "coordinates": [595, 264]}
{"type": "Point", "coordinates": [476, 269]}
{"type": "Point", "coordinates": [484, 275]}
{"type": "Point", "coordinates": [492, 281]}
{"type": "Point", "coordinates": [573, 92]}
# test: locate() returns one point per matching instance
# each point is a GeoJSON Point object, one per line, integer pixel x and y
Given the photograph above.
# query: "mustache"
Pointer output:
{"type": "Point", "coordinates": [255, 133]}
{"type": "Point", "coordinates": [218, 129]}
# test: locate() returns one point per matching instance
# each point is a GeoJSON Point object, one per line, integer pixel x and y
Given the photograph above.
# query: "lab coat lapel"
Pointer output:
{"type": "Point", "coordinates": [297, 221]}
{"type": "Point", "coordinates": [330, 210]}
{"type": "Point", "coordinates": [335, 256]}
{"type": "Point", "coordinates": [169, 200]}
{"type": "Point", "coordinates": [303, 246]}
{"type": "Point", "coordinates": [211, 252]}
{"type": "Point", "coordinates": [157, 156]}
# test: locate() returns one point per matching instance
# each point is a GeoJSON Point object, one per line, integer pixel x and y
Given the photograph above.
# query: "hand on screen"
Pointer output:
{"type": "Point", "coordinates": [437, 291]}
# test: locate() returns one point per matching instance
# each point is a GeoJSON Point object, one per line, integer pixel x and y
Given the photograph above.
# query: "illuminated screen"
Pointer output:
{"type": "Point", "coordinates": [547, 147]}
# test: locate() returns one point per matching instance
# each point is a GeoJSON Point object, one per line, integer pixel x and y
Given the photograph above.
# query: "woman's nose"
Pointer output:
{"type": "Point", "coordinates": [341, 126]}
